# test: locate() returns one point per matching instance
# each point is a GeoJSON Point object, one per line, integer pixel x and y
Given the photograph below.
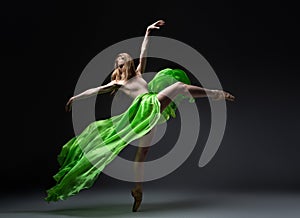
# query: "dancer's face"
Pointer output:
{"type": "Point", "coordinates": [120, 61]}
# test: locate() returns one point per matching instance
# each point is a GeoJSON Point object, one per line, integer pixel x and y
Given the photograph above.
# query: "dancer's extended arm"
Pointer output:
{"type": "Point", "coordinates": [142, 62]}
{"type": "Point", "coordinates": [93, 91]}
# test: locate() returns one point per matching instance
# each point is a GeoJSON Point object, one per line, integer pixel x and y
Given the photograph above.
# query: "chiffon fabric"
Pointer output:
{"type": "Point", "coordinates": [84, 156]}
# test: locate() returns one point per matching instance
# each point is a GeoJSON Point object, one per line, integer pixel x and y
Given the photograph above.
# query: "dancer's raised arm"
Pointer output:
{"type": "Point", "coordinates": [142, 63]}
{"type": "Point", "coordinates": [93, 91]}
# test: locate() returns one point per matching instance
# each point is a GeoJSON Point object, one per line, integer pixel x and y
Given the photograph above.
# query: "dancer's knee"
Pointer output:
{"type": "Point", "coordinates": [169, 93]}
{"type": "Point", "coordinates": [181, 87]}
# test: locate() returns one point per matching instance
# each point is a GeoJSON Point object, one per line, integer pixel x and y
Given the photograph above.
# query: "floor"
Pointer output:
{"type": "Point", "coordinates": [156, 203]}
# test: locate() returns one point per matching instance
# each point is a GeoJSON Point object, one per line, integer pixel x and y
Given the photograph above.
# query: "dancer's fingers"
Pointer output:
{"type": "Point", "coordinates": [68, 107]}
{"type": "Point", "coordinates": [230, 97]}
{"type": "Point", "coordinates": [161, 22]}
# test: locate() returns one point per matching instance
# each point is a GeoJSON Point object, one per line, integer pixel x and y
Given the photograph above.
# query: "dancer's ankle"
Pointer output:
{"type": "Point", "coordinates": [138, 188]}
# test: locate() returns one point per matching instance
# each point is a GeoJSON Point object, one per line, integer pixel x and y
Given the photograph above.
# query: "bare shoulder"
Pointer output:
{"type": "Point", "coordinates": [118, 83]}
{"type": "Point", "coordinates": [123, 82]}
{"type": "Point", "coordinates": [112, 84]}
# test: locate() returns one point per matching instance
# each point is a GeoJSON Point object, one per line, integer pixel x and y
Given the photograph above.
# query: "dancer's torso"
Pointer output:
{"type": "Point", "coordinates": [134, 87]}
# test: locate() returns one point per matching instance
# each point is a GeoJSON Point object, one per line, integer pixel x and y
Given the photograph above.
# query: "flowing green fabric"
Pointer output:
{"type": "Point", "coordinates": [84, 156]}
{"type": "Point", "coordinates": [163, 79]}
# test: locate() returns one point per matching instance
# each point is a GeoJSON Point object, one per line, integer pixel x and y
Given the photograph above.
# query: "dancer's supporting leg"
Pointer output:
{"type": "Point", "coordinates": [144, 145]}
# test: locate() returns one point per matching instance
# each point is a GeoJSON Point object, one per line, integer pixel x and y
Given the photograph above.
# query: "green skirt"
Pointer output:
{"type": "Point", "coordinates": [84, 156]}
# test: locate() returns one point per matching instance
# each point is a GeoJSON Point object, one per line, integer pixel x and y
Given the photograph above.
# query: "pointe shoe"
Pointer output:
{"type": "Point", "coordinates": [138, 196]}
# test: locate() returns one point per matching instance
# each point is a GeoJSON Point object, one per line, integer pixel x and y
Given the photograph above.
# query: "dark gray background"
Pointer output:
{"type": "Point", "coordinates": [252, 46]}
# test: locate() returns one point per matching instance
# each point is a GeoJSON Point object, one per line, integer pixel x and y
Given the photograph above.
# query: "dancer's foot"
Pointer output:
{"type": "Point", "coordinates": [220, 95]}
{"type": "Point", "coordinates": [137, 194]}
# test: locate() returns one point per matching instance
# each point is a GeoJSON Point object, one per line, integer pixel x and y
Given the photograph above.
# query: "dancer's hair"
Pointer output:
{"type": "Point", "coordinates": [129, 71]}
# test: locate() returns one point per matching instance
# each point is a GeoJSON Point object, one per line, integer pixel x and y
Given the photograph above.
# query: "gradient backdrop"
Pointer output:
{"type": "Point", "coordinates": [252, 46]}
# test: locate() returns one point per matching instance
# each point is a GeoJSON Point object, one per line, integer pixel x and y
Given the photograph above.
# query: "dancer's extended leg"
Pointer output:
{"type": "Point", "coordinates": [169, 93]}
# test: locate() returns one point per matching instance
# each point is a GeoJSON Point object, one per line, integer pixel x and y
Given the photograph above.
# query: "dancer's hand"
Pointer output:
{"type": "Point", "coordinates": [220, 95]}
{"type": "Point", "coordinates": [68, 106]}
{"type": "Point", "coordinates": [156, 25]}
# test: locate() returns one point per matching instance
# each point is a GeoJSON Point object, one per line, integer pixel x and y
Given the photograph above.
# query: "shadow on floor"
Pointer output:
{"type": "Point", "coordinates": [116, 210]}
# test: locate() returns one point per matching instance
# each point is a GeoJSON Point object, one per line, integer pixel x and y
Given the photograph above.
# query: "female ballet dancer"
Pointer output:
{"type": "Point", "coordinates": [84, 156]}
